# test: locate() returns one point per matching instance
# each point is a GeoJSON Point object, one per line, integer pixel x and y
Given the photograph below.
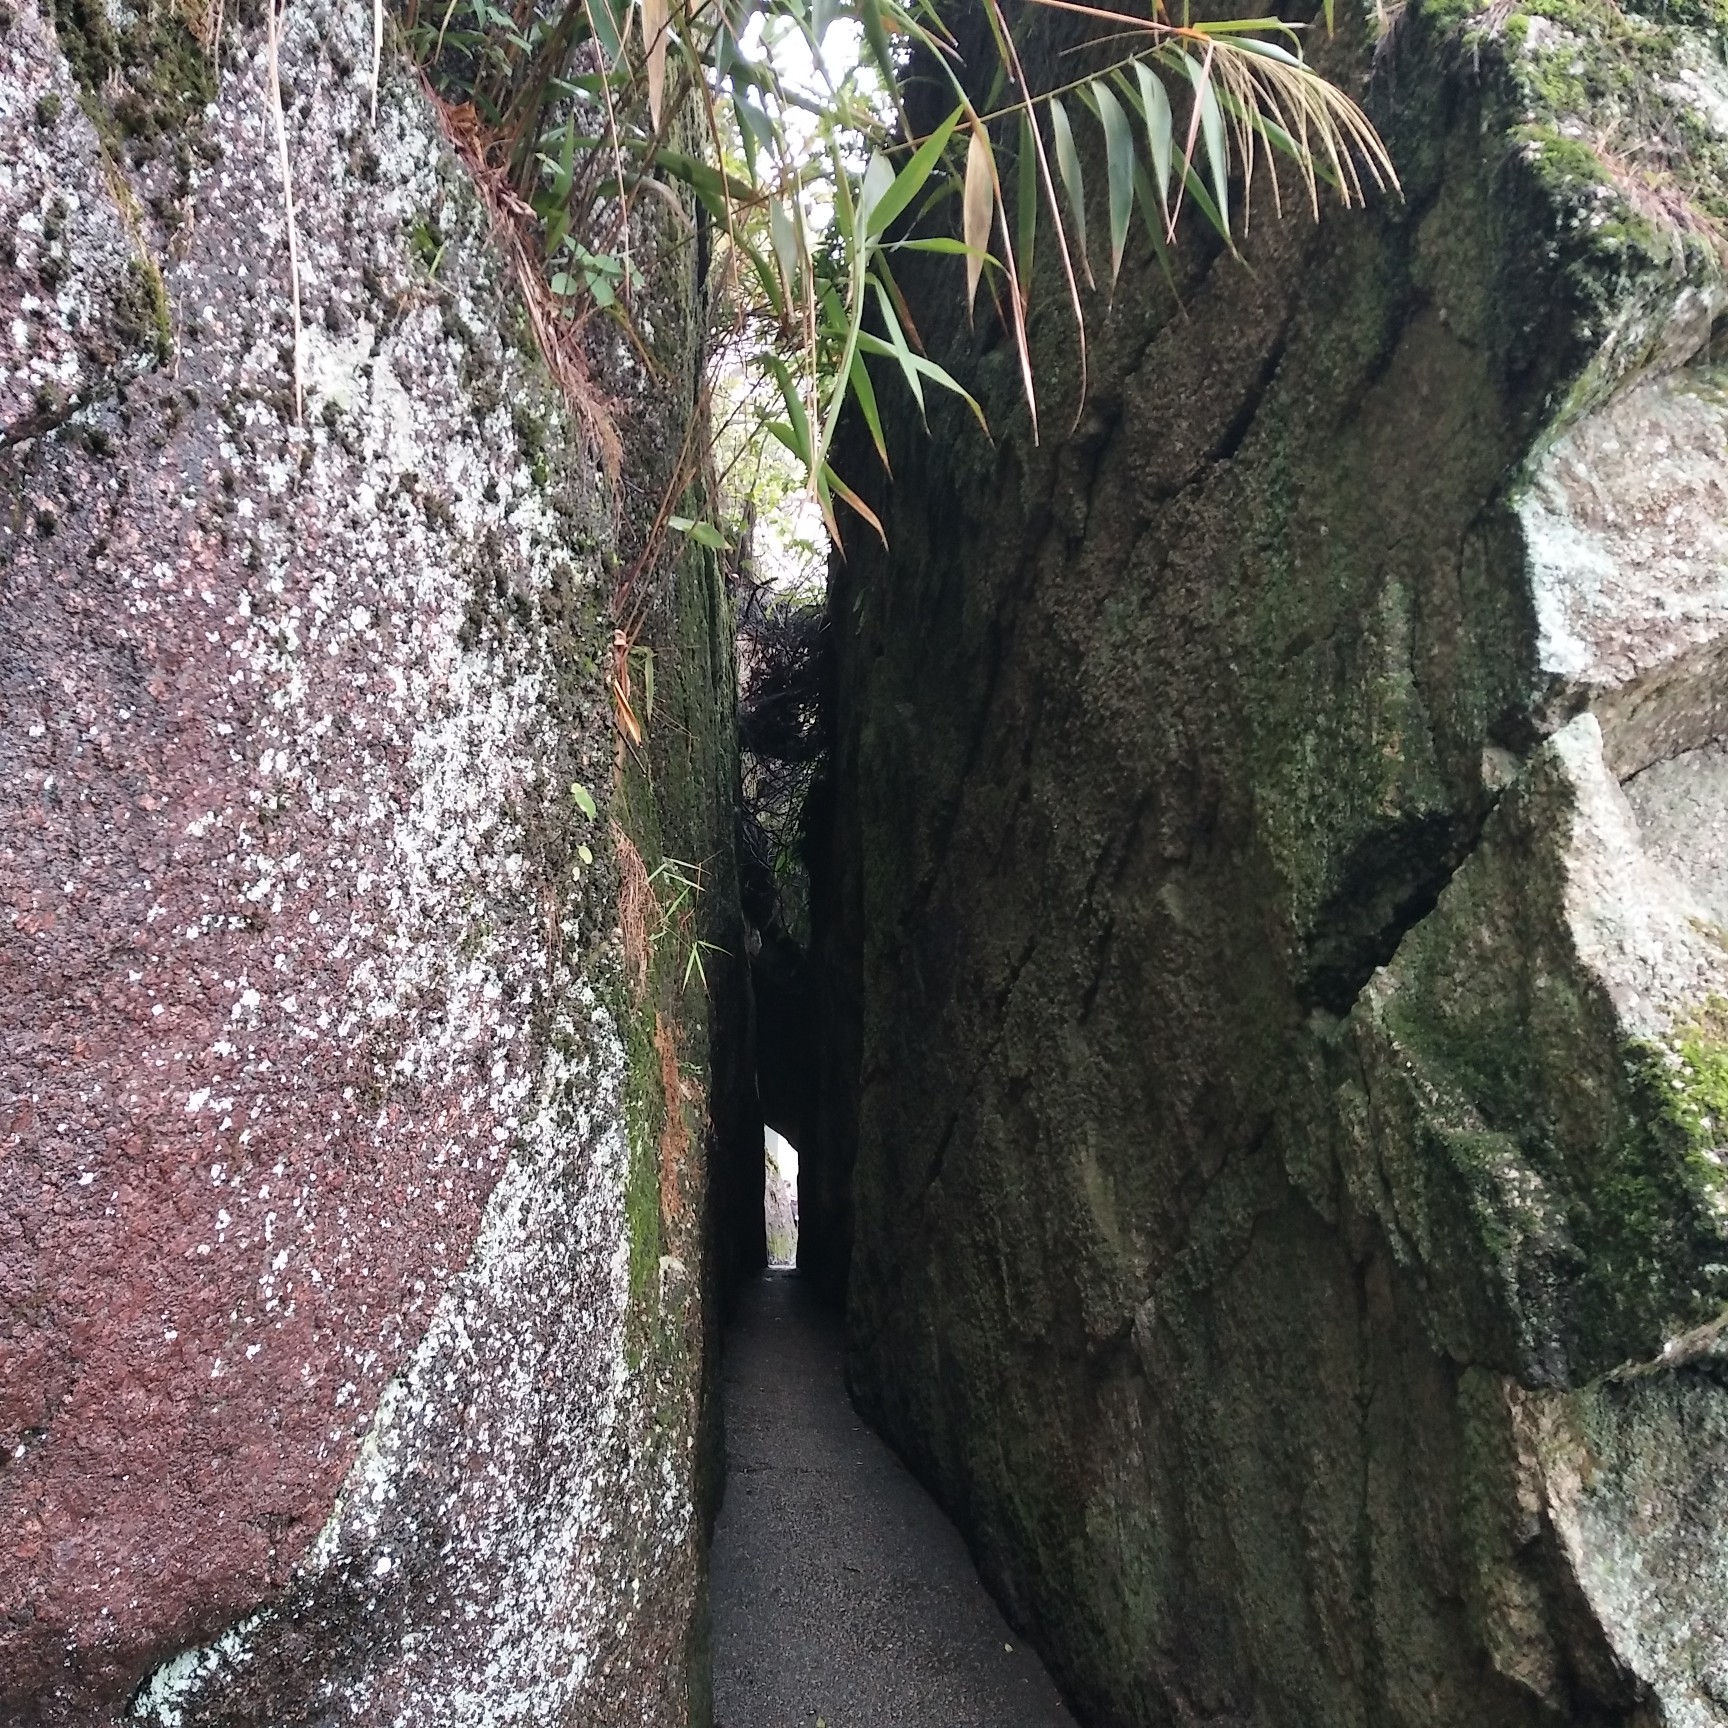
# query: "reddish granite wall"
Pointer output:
{"type": "Point", "coordinates": [312, 1070]}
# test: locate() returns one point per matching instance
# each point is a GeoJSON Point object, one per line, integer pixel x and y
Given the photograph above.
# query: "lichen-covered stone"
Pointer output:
{"type": "Point", "coordinates": [353, 1312]}
{"type": "Point", "coordinates": [1518, 1116]}
{"type": "Point", "coordinates": [1625, 521]}
{"type": "Point", "coordinates": [83, 296]}
{"type": "Point", "coordinates": [1273, 1070]}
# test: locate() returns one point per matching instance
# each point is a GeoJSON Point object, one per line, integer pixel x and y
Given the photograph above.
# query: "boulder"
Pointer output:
{"type": "Point", "coordinates": [354, 1320]}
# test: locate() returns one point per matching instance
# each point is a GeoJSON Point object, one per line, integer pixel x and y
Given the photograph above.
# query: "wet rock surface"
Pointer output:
{"type": "Point", "coordinates": [841, 1594]}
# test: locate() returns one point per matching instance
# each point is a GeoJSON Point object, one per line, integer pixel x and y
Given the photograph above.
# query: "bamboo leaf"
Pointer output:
{"type": "Point", "coordinates": [531, 76]}
{"type": "Point", "coordinates": [909, 182]}
{"type": "Point", "coordinates": [1243, 27]}
{"type": "Point", "coordinates": [1211, 118]}
{"type": "Point", "coordinates": [876, 39]}
{"type": "Point", "coordinates": [656, 25]}
{"type": "Point", "coordinates": [916, 365]}
{"type": "Point", "coordinates": [828, 482]}
{"type": "Point", "coordinates": [783, 233]}
{"type": "Point", "coordinates": [716, 190]}
{"type": "Point", "coordinates": [1156, 218]}
{"type": "Point", "coordinates": [566, 174]}
{"type": "Point", "coordinates": [896, 348]}
{"type": "Point", "coordinates": [865, 392]}
{"type": "Point", "coordinates": [1119, 161]}
{"type": "Point", "coordinates": [977, 206]}
{"type": "Point", "coordinates": [1160, 130]}
{"type": "Point", "coordinates": [767, 278]}
{"type": "Point", "coordinates": [608, 26]}
{"type": "Point", "coordinates": [783, 435]}
{"type": "Point", "coordinates": [943, 243]}
{"type": "Point", "coordinates": [624, 714]}
{"type": "Point", "coordinates": [756, 132]}
{"type": "Point", "coordinates": [851, 216]}
{"type": "Point", "coordinates": [885, 276]}
{"type": "Point", "coordinates": [1256, 45]}
{"type": "Point", "coordinates": [1196, 189]}
{"type": "Point", "coordinates": [704, 534]}
{"type": "Point", "coordinates": [878, 179]}
{"type": "Point", "coordinates": [1026, 194]}
{"type": "Point", "coordinates": [798, 422]}
{"type": "Point", "coordinates": [1073, 182]}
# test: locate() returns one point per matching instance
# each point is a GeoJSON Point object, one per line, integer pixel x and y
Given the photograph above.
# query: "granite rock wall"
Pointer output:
{"type": "Point", "coordinates": [1270, 938]}
{"type": "Point", "coordinates": [355, 1269]}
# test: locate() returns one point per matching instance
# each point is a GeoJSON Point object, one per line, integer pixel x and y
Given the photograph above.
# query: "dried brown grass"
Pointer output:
{"type": "Point", "coordinates": [675, 1130]}
{"type": "Point", "coordinates": [1658, 197]}
{"type": "Point", "coordinates": [203, 19]}
{"type": "Point", "coordinates": [637, 911]}
{"type": "Point", "coordinates": [557, 334]}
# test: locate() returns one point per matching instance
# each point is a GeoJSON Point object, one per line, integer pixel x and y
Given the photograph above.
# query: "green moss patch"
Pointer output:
{"type": "Point", "coordinates": [150, 77]}
{"type": "Point", "coordinates": [644, 1116]}
{"type": "Point", "coordinates": [1602, 112]}
{"type": "Point", "coordinates": [1702, 1088]}
{"type": "Point", "coordinates": [169, 77]}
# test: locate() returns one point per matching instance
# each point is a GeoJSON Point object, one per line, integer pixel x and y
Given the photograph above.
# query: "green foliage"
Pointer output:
{"type": "Point", "coordinates": [814, 181]}
{"type": "Point", "coordinates": [676, 900]}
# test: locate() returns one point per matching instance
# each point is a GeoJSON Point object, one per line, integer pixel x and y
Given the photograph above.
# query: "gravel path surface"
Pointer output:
{"type": "Point", "coordinates": [841, 1593]}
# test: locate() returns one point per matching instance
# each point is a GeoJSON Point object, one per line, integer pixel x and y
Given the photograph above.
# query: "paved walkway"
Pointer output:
{"type": "Point", "coordinates": [841, 1593]}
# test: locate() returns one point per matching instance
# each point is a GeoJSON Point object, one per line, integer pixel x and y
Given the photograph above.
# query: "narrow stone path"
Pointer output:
{"type": "Point", "coordinates": [841, 1593]}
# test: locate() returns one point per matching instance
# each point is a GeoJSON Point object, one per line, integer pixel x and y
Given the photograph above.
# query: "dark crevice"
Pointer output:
{"type": "Point", "coordinates": [1000, 634]}
{"type": "Point", "coordinates": [1089, 998]}
{"type": "Point", "coordinates": [995, 1020]}
{"type": "Point", "coordinates": [1389, 883]}
{"type": "Point", "coordinates": [1241, 422]}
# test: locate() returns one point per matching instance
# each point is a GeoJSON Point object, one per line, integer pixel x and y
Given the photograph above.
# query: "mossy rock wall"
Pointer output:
{"type": "Point", "coordinates": [1270, 1072]}
{"type": "Point", "coordinates": [356, 1274]}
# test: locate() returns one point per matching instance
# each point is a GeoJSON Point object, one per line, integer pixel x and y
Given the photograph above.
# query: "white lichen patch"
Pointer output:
{"type": "Point", "coordinates": [497, 1479]}
{"type": "Point", "coordinates": [1634, 922]}
{"type": "Point", "coordinates": [1634, 1479]}
{"type": "Point", "coordinates": [1682, 811]}
{"type": "Point", "coordinates": [1625, 525]}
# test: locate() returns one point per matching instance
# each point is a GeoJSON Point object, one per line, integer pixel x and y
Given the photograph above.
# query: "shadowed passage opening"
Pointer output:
{"type": "Point", "coordinates": [780, 1198]}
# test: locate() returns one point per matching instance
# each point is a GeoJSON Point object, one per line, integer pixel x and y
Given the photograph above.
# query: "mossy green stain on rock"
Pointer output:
{"type": "Point", "coordinates": [1569, 1175]}
{"type": "Point", "coordinates": [645, 1110]}
{"type": "Point", "coordinates": [1701, 1085]}
{"type": "Point", "coordinates": [144, 69]}
{"type": "Point", "coordinates": [144, 315]}
{"type": "Point", "coordinates": [1620, 143]}
{"type": "Point", "coordinates": [1175, 1222]}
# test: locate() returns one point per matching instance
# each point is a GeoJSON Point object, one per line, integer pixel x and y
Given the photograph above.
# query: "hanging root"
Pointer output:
{"type": "Point", "coordinates": [558, 337]}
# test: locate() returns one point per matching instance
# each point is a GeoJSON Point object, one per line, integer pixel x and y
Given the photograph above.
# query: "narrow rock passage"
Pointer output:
{"type": "Point", "coordinates": [841, 1593]}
